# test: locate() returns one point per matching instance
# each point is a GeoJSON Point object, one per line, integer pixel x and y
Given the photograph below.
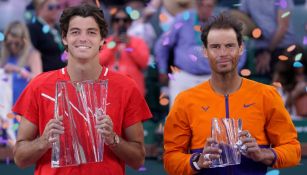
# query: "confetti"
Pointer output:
{"type": "Point", "coordinates": [285, 14]}
{"type": "Point", "coordinates": [178, 25]}
{"type": "Point", "coordinates": [165, 27]}
{"type": "Point", "coordinates": [152, 63]}
{"type": "Point", "coordinates": [15, 126]}
{"type": "Point", "coordinates": [277, 84]}
{"type": "Point", "coordinates": [291, 48]}
{"type": "Point", "coordinates": [282, 58]}
{"type": "Point", "coordinates": [256, 33]}
{"type": "Point", "coordinates": [33, 19]}
{"type": "Point", "coordinates": [283, 4]}
{"type": "Point", "coordinates": [174, 69]}
{"type": "Point", "coordinates": [186, 15]}
{"type": "Point", "coordinates": [273, 172]}
{"type": "Point", "coordinates": [46, 29]}
{"type": "Point", "coordinates": [28, 15]}
{"type": "Point", "coordinates": [128, 49]}
{"type": "Point", "coordinates": [237, 5]}
{"type": "Point", "coordinates": [113, 11]}
{"type": "Point", "coordinates": [164, 101]}
{"type": "Point", "coordinates": [297, 64]}
{"type": "Point", "coordinates": [135, 15]}
{"type": "Point", "coordinates": [111, 45]}
{"type": "Point", "coordinates": [1, 36]}
{"type": "Point", "coordinates": [298, 56]}
{"type": "Point", "coordinates": [163, 18]}
{"type": "Point", "coordinates": [193, 57]}
{"type": "Point", "coordinates": [166, 41]}
{"type": "Point", "coordinates": [245, 72]}
{"type": "Point", "coordinates": [171, 76]}
{"type": "Point", "coordinates": [128, 9]}
{"type": "Point", "coordinates": [10, 115]}
{"type": "Point", "coordinates": [142, 169]}
{"type": "Point", "coordinates": [305, 40]}
{"type": "Point", "coordinates": [197, 28]}
{"type": "Point", "coordinates": [18, 118]}
{"type": "Point", "coordinates": [64, 56]}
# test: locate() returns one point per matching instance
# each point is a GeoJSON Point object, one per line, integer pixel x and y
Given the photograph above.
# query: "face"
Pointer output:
{"type": "Point", "coordinates": [83, 38]}
{"type": "Point", "coordinates": [14, 44]}
{"type": "Point", "coordinates": [50, 11]}
{"type": "Point", "coordinates": [205, 8]}
{"type": "Point", "coordinates": [121, 21]}
{"type": "Point", "coordinates": [223, 50]}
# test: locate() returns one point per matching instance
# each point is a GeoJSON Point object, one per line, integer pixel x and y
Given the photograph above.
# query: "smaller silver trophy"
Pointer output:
{"type": "Point", "coordinates": [78, 104]}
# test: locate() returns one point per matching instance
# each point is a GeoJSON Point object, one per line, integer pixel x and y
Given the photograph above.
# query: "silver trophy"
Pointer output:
{"type": "Point", "coordinates": [78, 104]}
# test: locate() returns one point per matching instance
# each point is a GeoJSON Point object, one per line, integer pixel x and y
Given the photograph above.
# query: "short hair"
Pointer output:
{"type": "Point", "coordinates": [222, 21]}
{"type": "Point", "coordinates": [83, 10]}
{"type": "Point", "coordinates": [120, 9]}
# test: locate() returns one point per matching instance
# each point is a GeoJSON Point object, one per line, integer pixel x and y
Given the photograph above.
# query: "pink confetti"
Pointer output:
{"type": "Point", "coordinates": [193, 57]}
{"type": "Point", "coordinates": [305, 40]}
{"type": "Point", "coordinates": [64, 56]}
{"type": "Point", "coordinates": [171, 76]}
{"type": "Point", "coordinates": [165, 41]}
{"type": "Point", "coordinates": [128, 49]}
{"type": "Point", "coordinates": [178, 25]}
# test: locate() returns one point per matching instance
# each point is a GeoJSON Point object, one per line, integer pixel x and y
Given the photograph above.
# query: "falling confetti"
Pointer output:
{"type": "Point", "coordinates": [197, 28]}
{"type": "Point", "coordinates": [298, 56]}
{"type": "Point", "coordinates": [113, 11]}
{"type": "Point", "coordinates": [237, 5]}
{"type": "Point", "coordinates": [245, 72]}
{"type": "Point", "coordinates": [285, 14]}
{"type": "Point", "coordinates": [273, 172]}
{"type": "Point", "coordinates": [193, 57]}
{"type": "Point", "coordinates": [186, 15]}
{"type": "Point", "coordinates": [128, 9]}
{"type": "Point", "coordinates": [291, 48]}
{"type": "Point", "coordinates": [164, 101]}
{"type": "Point", "coordinates": [111, 45]}
{"type": "Point", "coordinates": [33, 19]}
{"type": "Point", "coordinates": [64, 56]}
{"type": "Point", "coordinates": [28, 15]}
{"type": "Point", "coordinates": [283, 4]}
{"type": "Point", "coordinates": [128, 49]}
{"type": "Point", "coordinates": [297, 64]}
{"type": "Point", "coordinates": [1, 36]}
{"type": "Point", "coordinates": [135, 15]}
{"type": "Point", "coordinates": [152, 63]}
{"type": "Point", "coordinates": [142, 169]}
{"type": "Point", "coordinates": [174, 69]}
{"type": "Point", "coordinates": [282, 58]}
{"type": "Point", "coordinates": [10, 115]}
{"type": "Point", "coordinates": [46, 29]}
{"type": "Point", "coordinates": [165, 27]}
{"type": "Point", "coordinates": [163, 18]}
{"type": "Point", "coordinates": [178, 25]}
{"type": "Point", "coordinates": [305, 40]}
{"type": "Point", "coordinates": [171, 76]}
{"type": "Point", "coordinates": [15, 126]}
{"type": "Point", "coordinates": [165, 41]}
{"type": "Point", "coordinates": [256, 33]}
{"type": "Point", "coordinates": [277, 84]}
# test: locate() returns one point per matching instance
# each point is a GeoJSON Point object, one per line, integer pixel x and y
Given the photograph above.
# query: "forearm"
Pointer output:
{"type": "Point", "coordinates": [27, 153]}
{"type": "Point", "coordinates": [268, 156]}
{"type": "Point", "coordinates": [132, 153]}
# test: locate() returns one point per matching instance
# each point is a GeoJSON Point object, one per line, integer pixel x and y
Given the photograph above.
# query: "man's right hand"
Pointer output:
{"type": "Point", "coordinates": [209, 153]}
{"type": "Point", "coordinates": [52, 129]}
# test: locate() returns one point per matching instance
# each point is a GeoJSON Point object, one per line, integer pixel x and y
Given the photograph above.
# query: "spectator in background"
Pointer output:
{"type": "Point", "coordinates": [292, 75]}
{"type": "Point", "coordinates": [184, 40]}
{"type": "Point", "coordinates": [277, 33]}
{"type": "Point", "coordinates": [45, 35]}
{"type": "Point", "coordinates": [19, 57]}
{"type": "Point", "coordinates": [125, 54]}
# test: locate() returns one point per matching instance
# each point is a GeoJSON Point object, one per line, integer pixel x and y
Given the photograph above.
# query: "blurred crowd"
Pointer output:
{"type": "Point", "coordinates": [157, 43]}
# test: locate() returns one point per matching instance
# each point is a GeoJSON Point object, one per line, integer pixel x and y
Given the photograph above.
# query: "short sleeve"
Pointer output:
{"type": "Point", "coordinates": [136, 109]}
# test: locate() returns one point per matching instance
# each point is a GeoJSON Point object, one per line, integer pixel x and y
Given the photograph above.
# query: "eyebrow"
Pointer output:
{"type": "Point", "coordinates": [76, 28]}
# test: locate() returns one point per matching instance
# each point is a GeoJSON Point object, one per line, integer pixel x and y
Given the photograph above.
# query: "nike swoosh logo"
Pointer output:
{"type": "Point", "coordinates": [205, 108]}
{"type": "Point", "coordinates": [248, 105]}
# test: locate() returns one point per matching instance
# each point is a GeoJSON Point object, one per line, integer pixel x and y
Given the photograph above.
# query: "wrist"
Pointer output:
{"type": "Point", "coordinates": [115, 141]}
{"type": "Point", "coordinates": [194, 161]}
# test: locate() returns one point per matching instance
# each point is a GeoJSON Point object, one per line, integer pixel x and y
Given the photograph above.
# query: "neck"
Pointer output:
{"type": "Point", "coordinates": [81, 71]}
{"type": "Point", "coordinates": [225, 84]}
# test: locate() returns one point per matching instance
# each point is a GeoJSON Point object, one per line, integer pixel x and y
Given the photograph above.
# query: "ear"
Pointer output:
{"type": "Point", "coordinates": [241, 49]}
{"type": "Point", "coordinates": [64, 40]}
{"type": "Point", "coordinates": [102, 42]}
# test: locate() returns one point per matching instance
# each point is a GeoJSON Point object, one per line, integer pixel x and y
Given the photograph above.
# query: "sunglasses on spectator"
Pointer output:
{"type": "Point", "coordinates": [54, 7]}
{"type": "Point", "coordinates": [125, 20]}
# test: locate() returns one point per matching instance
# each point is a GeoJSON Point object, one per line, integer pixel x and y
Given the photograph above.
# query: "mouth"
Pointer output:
{"type": "Point", "coordinates": [83, 47]}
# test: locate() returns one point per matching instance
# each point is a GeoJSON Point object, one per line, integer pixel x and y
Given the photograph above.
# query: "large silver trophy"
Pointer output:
{"type": "Point", "coordinates": [78, 104]}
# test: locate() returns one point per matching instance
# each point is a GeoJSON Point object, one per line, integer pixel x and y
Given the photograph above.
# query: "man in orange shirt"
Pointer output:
{"type": "Point", "coordinates": [272, 138]}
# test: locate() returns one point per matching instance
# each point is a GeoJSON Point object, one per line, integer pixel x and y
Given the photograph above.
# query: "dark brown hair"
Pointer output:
{"type": "Point", "coordinates": [222, 21]}
{"type": "Point", "coordinates": [83, 10]}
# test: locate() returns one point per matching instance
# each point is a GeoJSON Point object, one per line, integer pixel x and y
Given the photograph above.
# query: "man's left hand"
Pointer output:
{"type": "Point", "coordinates": [104, 126]}
{"type": "Point", "coordinates": [250, 147]}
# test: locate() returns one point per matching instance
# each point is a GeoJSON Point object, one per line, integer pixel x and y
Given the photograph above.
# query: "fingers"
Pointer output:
{"type": "Point", "coordinates": [104, 126]}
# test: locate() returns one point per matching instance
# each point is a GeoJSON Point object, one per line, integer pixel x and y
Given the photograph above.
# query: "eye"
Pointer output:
{"type": "Point", "coordinates": [74, 32]}
{"type": "Point", "coordinates": [230, 45]}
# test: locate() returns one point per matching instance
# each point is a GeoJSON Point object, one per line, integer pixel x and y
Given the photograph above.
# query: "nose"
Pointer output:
{"type": "Point", "coordinates": [223, 51]}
